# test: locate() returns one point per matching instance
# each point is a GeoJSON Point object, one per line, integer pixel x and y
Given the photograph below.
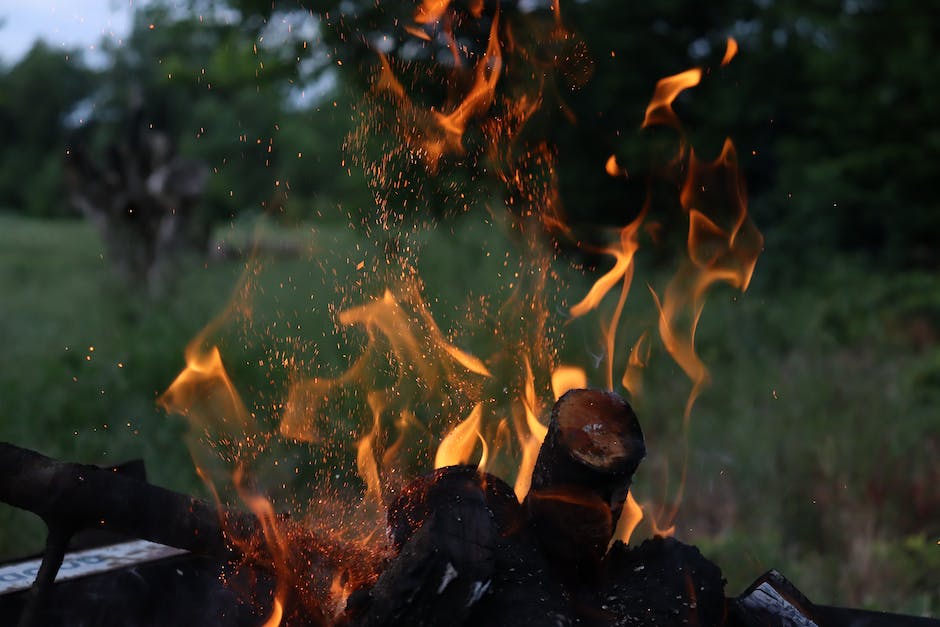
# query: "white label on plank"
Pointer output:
{"type": "Point", "coordinates": [19, 576]}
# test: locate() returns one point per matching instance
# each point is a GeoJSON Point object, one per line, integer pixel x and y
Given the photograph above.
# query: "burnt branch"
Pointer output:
{"type": "Point", "coordinates": [80, 496]}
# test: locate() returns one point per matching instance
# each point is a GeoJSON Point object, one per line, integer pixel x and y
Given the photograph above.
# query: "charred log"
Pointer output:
{"type": "Point", "coordinates": [661, 582]}
{"type": "Point", "coordinates": [583, 473]}
{"type": "Point", "coordinates": [465, 558]}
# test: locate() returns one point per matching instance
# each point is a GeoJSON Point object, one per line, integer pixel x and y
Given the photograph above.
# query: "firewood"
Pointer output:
{"type": "Point", "coordinates": [445, 526]}
{"type": "Point", "coordinates": [661, 582]}
{"type": "Point", "coordinates": [78, 496]}
{"type": "Point", "coordinates": [583, 473]}
{"type": "Point", "coordinates": [442, 489]}
{"type": "Point", "coordinates": [465, 557]}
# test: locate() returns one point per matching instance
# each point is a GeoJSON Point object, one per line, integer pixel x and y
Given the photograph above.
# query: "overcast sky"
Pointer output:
{"type": "Point", "coordinates": [62, 23]}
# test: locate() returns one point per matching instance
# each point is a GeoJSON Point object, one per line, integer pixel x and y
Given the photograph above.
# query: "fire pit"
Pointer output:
{"type": "Point", "coordinates": [460, 550]}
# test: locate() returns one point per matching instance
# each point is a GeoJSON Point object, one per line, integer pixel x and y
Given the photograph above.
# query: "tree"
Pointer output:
{"type": "Point", "coordinates": [39, 99]}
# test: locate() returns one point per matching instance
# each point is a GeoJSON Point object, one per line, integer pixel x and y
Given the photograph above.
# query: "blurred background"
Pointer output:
{"type": "Point", "coordinates": [815, 448]}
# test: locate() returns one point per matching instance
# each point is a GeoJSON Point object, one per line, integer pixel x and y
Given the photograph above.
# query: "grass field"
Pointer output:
{"type": "Point", "coordinates": [814, 450]}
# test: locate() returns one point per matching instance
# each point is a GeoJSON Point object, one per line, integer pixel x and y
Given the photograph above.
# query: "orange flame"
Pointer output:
{"type": "Point", "coordinates": [530, 435]}
{"type": "Point", "coordinates": [276, 541]}
{"type": "Point", "coordinates": [659, 110]}
{"type": "Point", "coordinates": [613, 168]}
{"type": "Point", "coordinates": [277, 612]}
{"type": "Point", "coordinates": [480, 96]}
{"type": "Point", "coordinates": [431, 11]}
{"type": "Point", "coordinates": [402, 335]}
{"type": "Point", "coordinates": [633, 375]}
{"type": "Point", "coordinates": [630, 518]}
{"type": "Point", "coordinates": [722, 246]}
{"type": "Point", "coordinates": [730, 50]}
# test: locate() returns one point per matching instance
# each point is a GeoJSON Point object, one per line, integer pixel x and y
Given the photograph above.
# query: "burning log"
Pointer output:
{"type": "Point", "coordinates": [465, 558]}
{"type": "Point", "coordinates": [583, 473]}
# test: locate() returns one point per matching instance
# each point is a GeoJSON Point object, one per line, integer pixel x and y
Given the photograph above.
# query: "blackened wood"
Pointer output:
{"type": "Point", "coordinates": [659, 583]}
{"type": "Point", "coordinates": [583, 473]}
{"type": "Point", "coordinates": [84, 496]}
{"type": "Point", "coordinates": [444, 568]}
{"type": "Point", "coordinates": [465, 558]}
{"type": "Point", "coordinates": [526, 592]}
{"type": "Point", "coordinates": [444, 488]}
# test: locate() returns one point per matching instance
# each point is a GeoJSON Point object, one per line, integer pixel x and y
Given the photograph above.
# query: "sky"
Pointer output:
{"type": "Point", "coordinates": [62, 23]}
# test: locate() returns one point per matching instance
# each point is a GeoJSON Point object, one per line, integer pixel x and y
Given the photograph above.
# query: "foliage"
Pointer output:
{"type": "Point", "coordinates": [33, 120]}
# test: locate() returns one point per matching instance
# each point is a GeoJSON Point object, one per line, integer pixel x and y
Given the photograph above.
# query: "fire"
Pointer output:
{"type": "Point", "coordinates": [277, 613]}
{"type": "Point", "coordinates": [731, 49]}
{"type": "Point", "coordinates": [457, 447]}
{"type": "Point", "coordinates": [659, 111]}
{"type": "Point", "coordinates": [410, 396]}
{"type": "Point", "coordinates": [434, 133]}
{"type": "Point", "coordinates": [204, 392]}
{"type": "Point", "coordinates": [723, 245]}
{"type": "Point", "coordinates": [566, 378]}
{"type": "Point", "coordinates": [431, 11]}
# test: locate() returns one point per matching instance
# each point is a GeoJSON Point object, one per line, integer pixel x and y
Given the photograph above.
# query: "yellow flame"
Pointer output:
{"type": "Point", "coordinates": [530, 435]}
{"type": "Point", "coordinates": [566, 378]}
{"type": "Point", "coordinates": [204, 393]}
{"type": "Point", "coordinates": [458, 445]}
{"type": "Point", "coordinates": [630, 517]}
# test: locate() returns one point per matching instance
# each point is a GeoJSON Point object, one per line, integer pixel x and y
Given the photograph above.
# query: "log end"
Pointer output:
{"type": "Point", "coordinates": [599, 429]}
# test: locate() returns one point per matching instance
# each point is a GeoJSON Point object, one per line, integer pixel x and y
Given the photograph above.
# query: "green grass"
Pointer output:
{"type": "Point", "coordinates": [813, 451]}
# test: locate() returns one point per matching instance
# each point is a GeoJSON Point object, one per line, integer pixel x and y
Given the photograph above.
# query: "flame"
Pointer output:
{"type": "Point", "coordinates": [566, 378]}
{"type": "Point", "coordinates": [458, 446]}
{"type": "Point", "coordinates": [277, 612]}
{"type": "Point", "coordinates": [722, 246]}
{"type": "Point", "coordinates": [204, 392]}
{"type": "Point", "coordinates": [275, 539]}
{"type": "Point", "coordinates": [622, 271]}
{"type": "Point", "coordinates": [437, 131]}
{"type": "Point", "coordinates": [659, 110]}
{"type": "Point", "coordinates": [630, 518]}
{"type": "Point", "coordinates": [402, 335]}
{"type": "Point", "coordinates": [407, 380]}
{"type": "Point", "coordinates": [633, 375]}
{"type": "Point", "coordinates": [531, 434]}
{"type": "Point", "coordinates": [731, 49]}
{"type": "Point", "coordinates": [480, 96]}
{"type": "Point", "coordinates": [431, 11]}
{"type": "Point", "coordinates": [612, 167]}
